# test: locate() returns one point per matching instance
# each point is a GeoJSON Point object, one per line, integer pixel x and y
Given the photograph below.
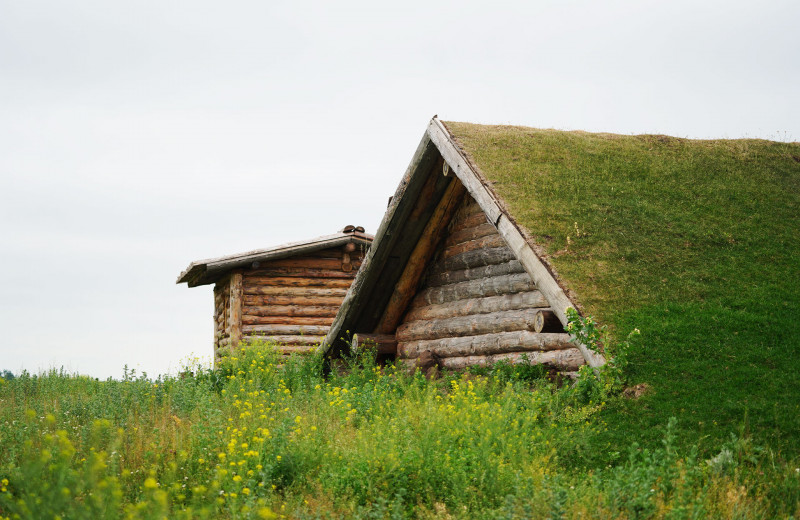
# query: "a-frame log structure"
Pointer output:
{"type": "Point", "coordinates": [450, 272]}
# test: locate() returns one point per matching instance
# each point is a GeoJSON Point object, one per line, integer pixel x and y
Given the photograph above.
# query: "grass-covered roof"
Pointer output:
{"type": "Point", "coordinates": [694, 242]}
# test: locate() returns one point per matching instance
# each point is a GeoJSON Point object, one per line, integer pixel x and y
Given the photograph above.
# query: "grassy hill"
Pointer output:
{"type": "Point", "coordinates": [694, 242]}
{"type": "Point", "coordinates": [255, 440]}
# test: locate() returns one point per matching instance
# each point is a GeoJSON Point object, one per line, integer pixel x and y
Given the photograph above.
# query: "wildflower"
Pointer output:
{"type": "Point", "coordinates": [150, 483]}
{"type": "Point", "coordinates": [266, 513]}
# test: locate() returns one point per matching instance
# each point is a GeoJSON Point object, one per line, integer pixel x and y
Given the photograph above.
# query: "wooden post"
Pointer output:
{"type": "Point", "coordinates": [235, 310]}
{"type": "Point", "coordinates": [406, 286]}
{"type": "Point", "coordinates": [216, 322]}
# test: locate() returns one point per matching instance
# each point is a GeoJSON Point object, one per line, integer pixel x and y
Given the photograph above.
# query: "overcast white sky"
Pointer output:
{"type": "Point", "coordinates": [136, 137]}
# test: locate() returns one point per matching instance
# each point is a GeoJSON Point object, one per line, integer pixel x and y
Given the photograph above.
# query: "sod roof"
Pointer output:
{"type": "Point", "coordinates": [694, 242]}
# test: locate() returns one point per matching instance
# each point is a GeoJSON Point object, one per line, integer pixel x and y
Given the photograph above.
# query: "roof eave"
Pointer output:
{"type": "Point", "coordinates": [203, 272]}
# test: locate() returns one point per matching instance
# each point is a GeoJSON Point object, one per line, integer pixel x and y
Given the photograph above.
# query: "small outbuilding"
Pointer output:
{"type": "Point", "coordinates": [288, 294]}
{"type": "Point", "coordinates": [451, 273]}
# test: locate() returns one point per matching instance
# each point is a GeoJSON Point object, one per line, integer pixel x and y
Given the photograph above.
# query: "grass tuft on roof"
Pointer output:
{"type": "Point", "coordinates": [695, 242]}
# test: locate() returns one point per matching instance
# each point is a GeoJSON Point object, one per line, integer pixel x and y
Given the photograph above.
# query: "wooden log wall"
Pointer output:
{"type": "Point", "coordinates": [222, 299]}
{"type": "Point", "coordinates": [477, 304]}
{"type": "Point", "coordinates": [293, 301]}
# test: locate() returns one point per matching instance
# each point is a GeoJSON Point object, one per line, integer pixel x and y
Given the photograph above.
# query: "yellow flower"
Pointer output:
{"type": "Point", "coordinates": [150, 483]}
{"type": "Point", "coordinates": [266, 513]}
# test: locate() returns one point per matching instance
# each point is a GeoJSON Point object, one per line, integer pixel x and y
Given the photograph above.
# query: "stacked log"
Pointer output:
{"type": "Point", "coordinates": [477, 305]}
{"type": "Point", "coordinates": [293, 301]}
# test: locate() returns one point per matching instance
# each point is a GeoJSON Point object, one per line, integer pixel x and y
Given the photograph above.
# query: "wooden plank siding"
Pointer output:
{"type": "Point", "coordinates": [476, 304]}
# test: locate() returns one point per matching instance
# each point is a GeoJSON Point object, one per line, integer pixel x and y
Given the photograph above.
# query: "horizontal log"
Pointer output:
{"type": "Point", "coordinates": [472, 325]}
{"type": "Point", "coordinates": [468, 221]}
{"type": "Point", "coordinates": [476, 258]}
{"type": "Point", "coordinates": [316, 263]}
{"type": "Point", "coordinates": [547, 321]}
{"type": "Point", "coordinates": [263, 300]}
{"type": "Point", "coordinates": [248, 319]}
{"type": "Point", "coordinates": [494, 286]}
{"type": "Point", "coordinates": [476, 273]}
{"type": "Point", "coordinates": [486, 344]}
{"type": "Point", "coordinates": [385, 343]}
{"type": "Point", "coordinates": [304, 272]}
{"type": "Point", "coordinates": [563, 360]}
{"type": "Point", "coordinates": [486, 242]}
{"type": "Point", "coordinates": [467, 208]}
{"type": "Point", "coordinates": [294, 291]}
{"type": "Point", "coordinates": [293, 310]}
{"type": "Point", "coordinates": [420, 310]}
{"type": "Point", "coordinates": [284, 340]}
{"type": "Point", "coordinates": [274, 329]}
{"type": "Point", "coordinates": [290, 281]}
{"type": "Point", "coordinates": [468, 234]}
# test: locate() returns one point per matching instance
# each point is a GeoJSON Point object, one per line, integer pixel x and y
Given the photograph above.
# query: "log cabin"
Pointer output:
{"type": "Point", "coordinates": [452, 273]}
{"type": "Point", "coordinates": [288, 294]}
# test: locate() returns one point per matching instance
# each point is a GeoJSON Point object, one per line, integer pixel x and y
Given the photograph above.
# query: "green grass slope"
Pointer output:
{"type": "Point", "coordinates": [696, 243]}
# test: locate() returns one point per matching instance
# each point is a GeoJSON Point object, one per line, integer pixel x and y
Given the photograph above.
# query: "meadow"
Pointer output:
{"type": "Point", "coordinates": [253, 439]}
